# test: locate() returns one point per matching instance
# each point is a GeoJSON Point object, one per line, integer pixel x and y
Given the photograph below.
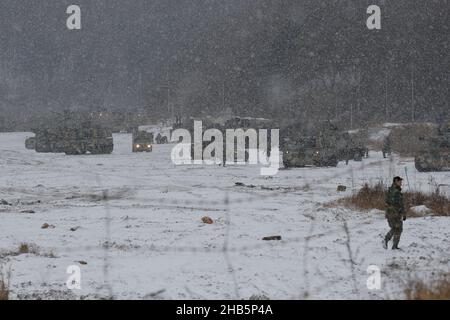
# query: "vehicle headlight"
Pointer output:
{"type": "Point", "coordinates": [138, 146]}
{"type": "Point", "coordinates": [149, 146]}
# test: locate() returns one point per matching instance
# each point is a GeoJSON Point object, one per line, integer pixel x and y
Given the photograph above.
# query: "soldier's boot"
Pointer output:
{"type": "Point", "coordinates": [395, 242]}
{"type": "Point", "coordinates": [387, 238]}
{"type": "Point", "coordinates": [384, 242]}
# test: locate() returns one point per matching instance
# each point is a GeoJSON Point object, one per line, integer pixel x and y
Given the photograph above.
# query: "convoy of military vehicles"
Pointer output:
{"type": "Point", "coordinates": [81, 133]}
{"type": "Point", "coordinates": [243, 123]}
{"type": "Point", "coordinates": [321, 145]}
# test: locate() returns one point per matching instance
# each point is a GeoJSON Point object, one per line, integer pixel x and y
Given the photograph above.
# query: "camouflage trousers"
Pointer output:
{"type": "Point", "coordinates": [395, 221]}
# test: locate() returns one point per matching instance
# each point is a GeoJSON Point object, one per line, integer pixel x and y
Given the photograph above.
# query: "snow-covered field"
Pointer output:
{"type": "Point", "coordinates": [146, 239]}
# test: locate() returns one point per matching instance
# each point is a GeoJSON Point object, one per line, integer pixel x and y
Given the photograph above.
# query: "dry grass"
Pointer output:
{"type": "Point", "coordinates": [436, 290]}
{"type": "Point", "coordinates": [367, 198]}
{"type": "Point", "coordinates": [438, 203]}
{"type": "Point", "coordinates": [4, 283]}
{"type": "Point", "coordinates": [373, 197]}
{"type": "Point", "coordinates": [25, 248]}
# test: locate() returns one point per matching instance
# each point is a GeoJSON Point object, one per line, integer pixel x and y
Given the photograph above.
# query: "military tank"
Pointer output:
{"type": "Point", "coordinates": [306, 152]}
{"type": "Point", "coordinates": [436, 156]}
{"type": "Point", "coordinates": [317, 146]}
{"type": "Point", "coordinates": [73, 134]}
{"type": "Point", "coordinates": [235, 123]}
{"type": "Point", "coordinates": [48, 139]}
{"type": "Point", "coordinates": [90, 138]}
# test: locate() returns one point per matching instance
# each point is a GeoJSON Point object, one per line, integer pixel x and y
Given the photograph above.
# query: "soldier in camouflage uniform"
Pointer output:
{"type": "Point", "coordinates": [395, 213]}
{"type": "Point", "coordinates": [387, 147]}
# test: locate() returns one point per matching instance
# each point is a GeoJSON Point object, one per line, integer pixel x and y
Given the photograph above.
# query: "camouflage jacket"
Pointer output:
{"type": "Point", "coordinates": [394, 200]}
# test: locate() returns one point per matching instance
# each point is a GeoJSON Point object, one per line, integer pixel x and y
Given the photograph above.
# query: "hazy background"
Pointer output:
{"type": "Point", "coordinates": [284, 59]}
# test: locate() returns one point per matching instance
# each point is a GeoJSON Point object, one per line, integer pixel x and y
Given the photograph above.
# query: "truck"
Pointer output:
{"type": "Point", "coordinates": [142, 141]}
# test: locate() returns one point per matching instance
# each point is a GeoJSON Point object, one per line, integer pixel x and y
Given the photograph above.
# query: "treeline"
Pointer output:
{"type": "Point", "coordinates": [286, 59]}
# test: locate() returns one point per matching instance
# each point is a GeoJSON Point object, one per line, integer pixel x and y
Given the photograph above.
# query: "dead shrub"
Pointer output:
{"type": "Point", "coordinates": [25, 248]}
{"type": "Point", "coordinates": [373, 197]}
{"type": "Point", "coordinates": [438, 289]}
{"type": "Point", "coordinates": [367, 198]}
{"type": "Point", "coordinates": [4, 283]}
{"type": "Point", "coordinates": [438, 203]}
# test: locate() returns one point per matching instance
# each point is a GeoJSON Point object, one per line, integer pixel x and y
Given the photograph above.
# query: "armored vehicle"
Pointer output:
{"type": "Point", "coordinates": [92, 139]}
{"type": "Point", "coordinates": [308, 151]}
{"type": "Point", "coordinates": [235, 123]}
{"type": "Point", "coordinates": [436, 156]}
{"type": "Point", "coordinates": [73, 134]}
{"type": "Point", "coordinates": [314, 146]}
{"type": "Point", "coordinates": [49, 139]}
{"type": "Point", "coordinates": [321, 144]}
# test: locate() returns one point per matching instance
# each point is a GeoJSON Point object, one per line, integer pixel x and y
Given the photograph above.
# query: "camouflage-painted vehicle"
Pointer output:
{"type": "Point", "coordinates": [49, 139]}
{"type": "Point", "coordinates": [244, 123]}
{"type": "Point", "coordinates": [142, 141]}
{"type": "Point", "coordinates": [92, 139]}
{"type": "Point", "coordinates": [437, 156]}
{"type": "Point", "coordinates": [314, 146]}
{"type": "Point", "coordinates": [188, 124]}
{"type": "Point", "coordinates": [73, 134]}
{"type": "Point", "coordinates": [306, 151]}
